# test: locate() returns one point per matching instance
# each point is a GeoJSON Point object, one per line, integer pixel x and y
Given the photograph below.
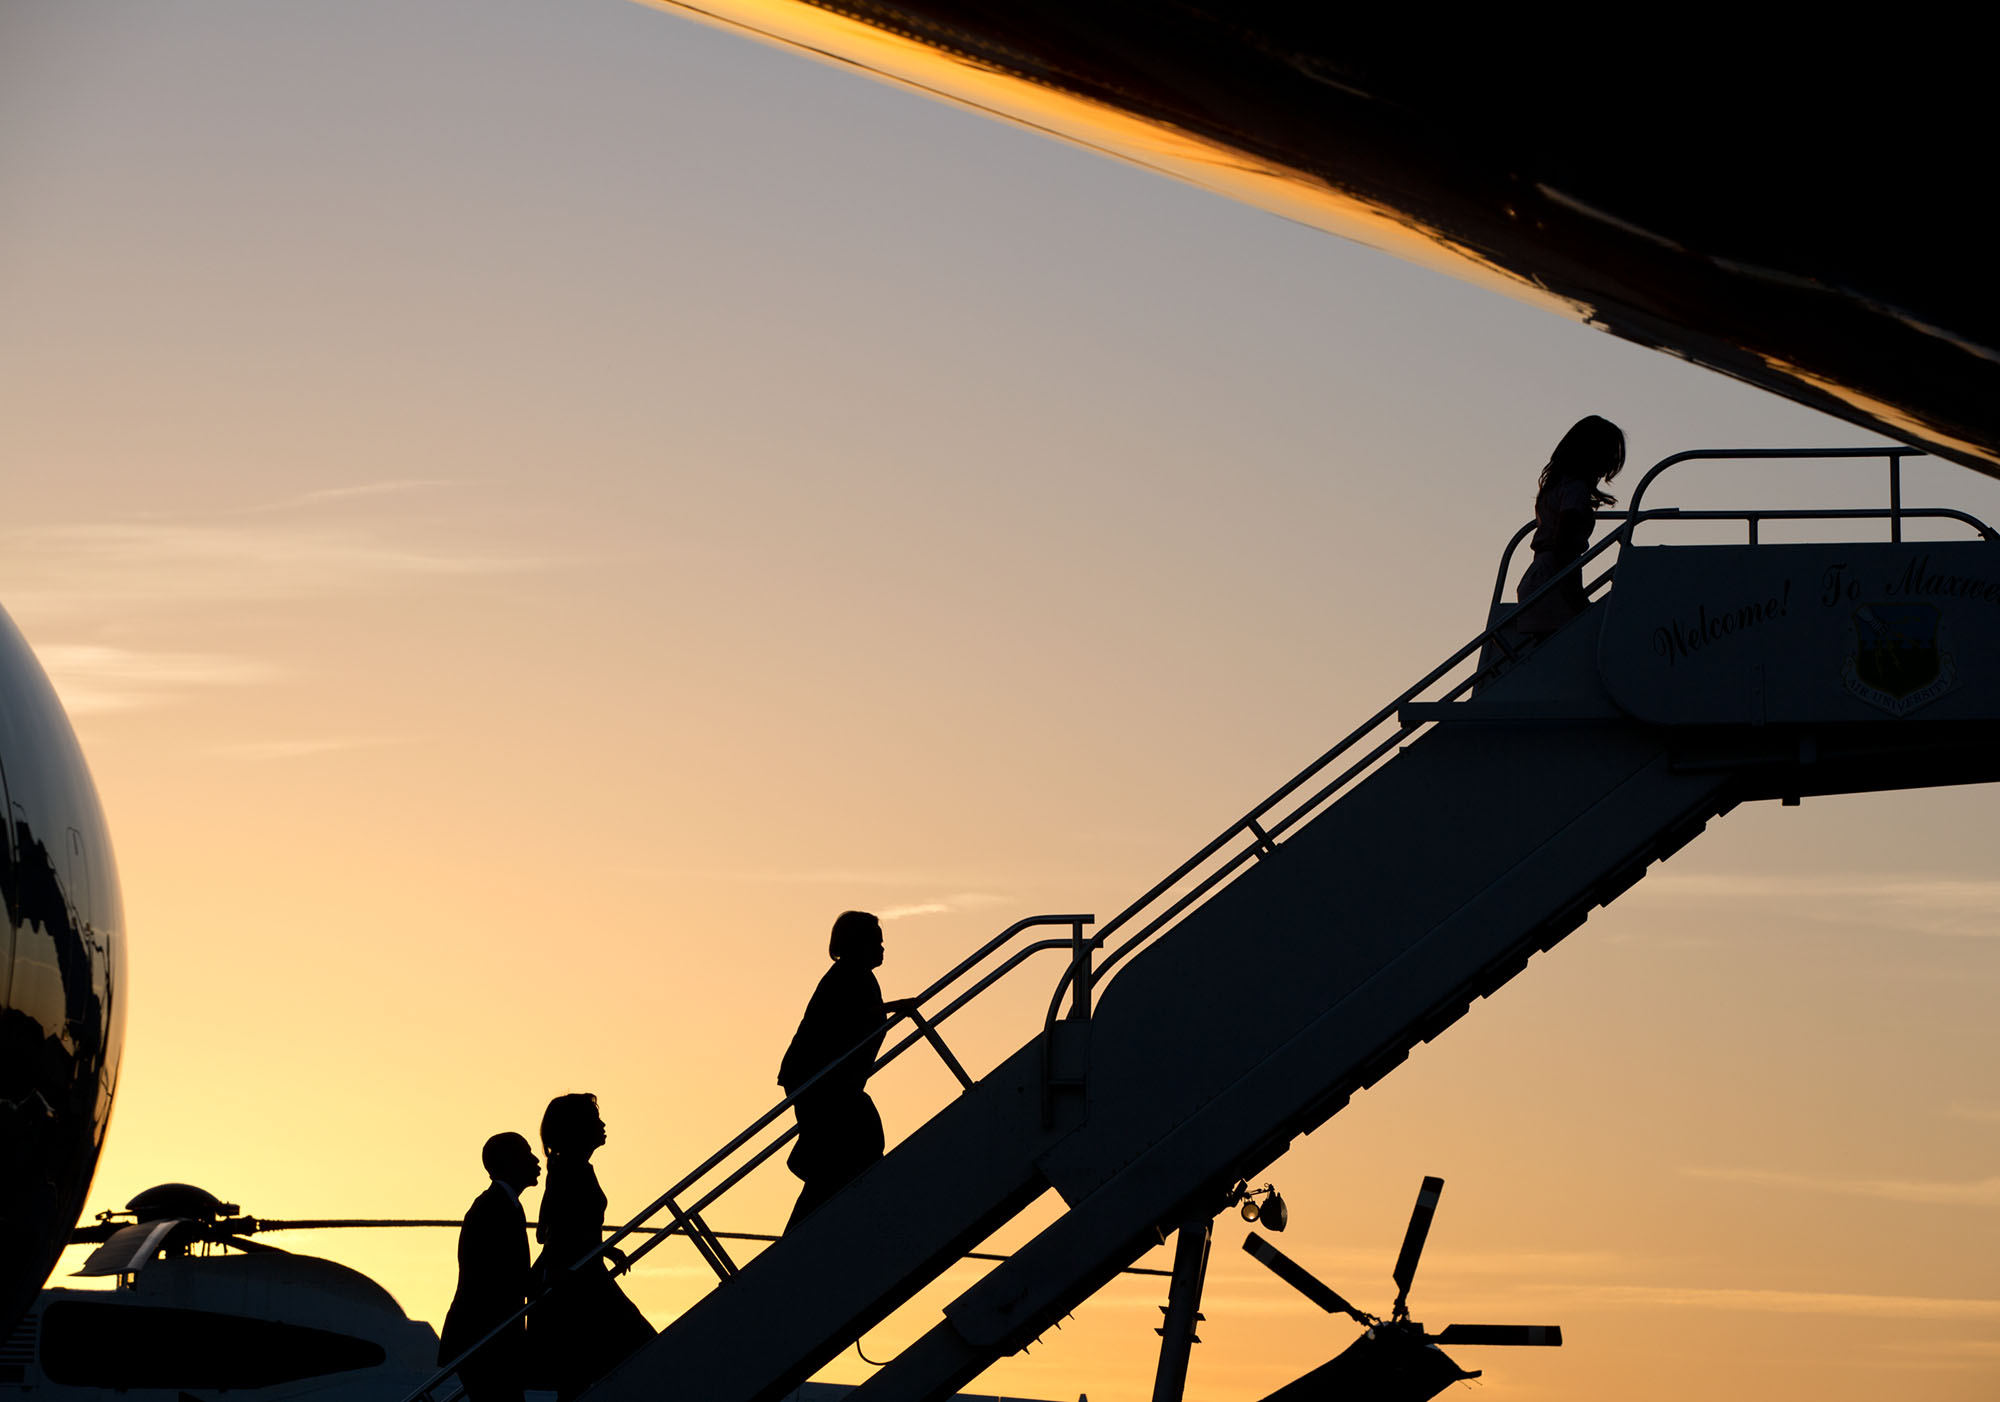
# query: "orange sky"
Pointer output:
{"type": "Point", "coordinates": [535, 508]}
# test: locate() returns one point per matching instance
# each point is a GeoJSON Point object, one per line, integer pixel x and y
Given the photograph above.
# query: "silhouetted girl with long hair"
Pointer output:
{"type": "Point", "coordinates": [585, 1326]}
{"type": "Point", "coordinates": [1566, 502]}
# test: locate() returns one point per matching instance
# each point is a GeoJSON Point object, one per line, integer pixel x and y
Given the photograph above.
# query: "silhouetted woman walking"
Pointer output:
{"type": "Point", "coordinates": [585, 1326]}
{"type": "Point", "coordinates": [1566, 502]}
{"type": "Point", "coordinates": [840, 1131]}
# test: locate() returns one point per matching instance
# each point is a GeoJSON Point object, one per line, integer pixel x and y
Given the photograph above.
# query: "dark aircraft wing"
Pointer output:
{"type": "Point", "coordinates": [1798, 204]}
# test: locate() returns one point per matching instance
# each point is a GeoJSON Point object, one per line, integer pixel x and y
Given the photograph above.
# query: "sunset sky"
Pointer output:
{"type": "Point", "coordinates": [534, 506]}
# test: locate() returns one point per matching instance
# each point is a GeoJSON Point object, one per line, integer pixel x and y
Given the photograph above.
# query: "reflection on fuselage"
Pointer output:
{"type": "Point", "coordinates": [61, 977]}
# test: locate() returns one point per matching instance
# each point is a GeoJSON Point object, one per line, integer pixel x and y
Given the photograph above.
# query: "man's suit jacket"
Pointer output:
{"type": "Point", "coordinates": [492, 1281]}
{"type": "Point", "coordinates": [846, 1007]}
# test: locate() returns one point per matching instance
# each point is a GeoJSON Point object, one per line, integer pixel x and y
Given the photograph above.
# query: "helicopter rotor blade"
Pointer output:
{"type": "Point", "coordinates": [1413, 1240]}
{"type": "Point", "coordinates": [244, 1244]}
{"type": "Point", "coordinates": [1506, 1335]}
{"type": "Point", "coordinates": [99, 1232]}
{"type": "Point", "coordinates": [1301, 1280]}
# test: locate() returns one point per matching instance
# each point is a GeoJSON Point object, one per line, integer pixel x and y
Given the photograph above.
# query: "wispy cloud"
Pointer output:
{"type": "Point", "coordinates": [943, 905]}
{"type": "Point", "coordinates": [1547, 1296]}
{"type": "Point", "coordinates": [298, 749]}
{"type": "Point", "coordinates": [94, 569]}
{"type": "Point", "coordinates": [94, 680]}
{"type": "Point", "coordinates": [1978, 1192]}
{"type": "Point", "coordinates": [934, 905]}
{"type": "Point", "coordinates": [1949, 1348]}
{"type": "Point", "coordinates": [810, 876]}
{"type": "Point", "coordinates": [391, 487]}
{"type": "Point", "coordinates": [685, 1270]}
{"type": "Point", "coordinates": [886, 880]}
{"type": "Point", "coordinates": [1940, 906]}
{"type": "Point", "coordinates": [1250, 1290]}
{"type": "Point", "coordinates": [1978, 1114]}
{"type": "Point", "coordinates": [1538, 1282]}
{"type": "Point", "coordinates": [1736, 1301]}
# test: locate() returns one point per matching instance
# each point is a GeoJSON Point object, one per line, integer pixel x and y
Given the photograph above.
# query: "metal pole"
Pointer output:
{"type": "Point", "coordinates": [1183, 1309]}
{"type": "Point", "coordinates": [1079, 962]}
{"type": "Point", "coordinates": [944, 1052]}
{"type": "Point", "coordinates": [1896, 497]}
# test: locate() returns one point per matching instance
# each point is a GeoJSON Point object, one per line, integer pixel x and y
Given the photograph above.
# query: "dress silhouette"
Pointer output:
{"type": "Point", "coordinates": [493, 1277]}
{"type": "Point", "coordinates": [1566, 502]}
{"type": "Point", "coordinates": [584, 1326]}
{"type": "Point", "coordinates": [840, 1131]}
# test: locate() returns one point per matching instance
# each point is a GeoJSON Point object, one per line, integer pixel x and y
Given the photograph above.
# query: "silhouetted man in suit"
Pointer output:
{"type": "Point", "coordinates": [840, 1131]}
{"type": "Point", "coordinates": [493, 1276]}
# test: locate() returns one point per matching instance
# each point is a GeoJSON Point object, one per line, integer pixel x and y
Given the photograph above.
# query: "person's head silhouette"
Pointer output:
{"type": "Point", "coordinates": [1592, 451]}
{"type": "Point", "coordinates": [509, 1160]}
{"type": "Point", "coordinates": [857, 936]}
{"type": "Point", "coordinates": [571, 1126]}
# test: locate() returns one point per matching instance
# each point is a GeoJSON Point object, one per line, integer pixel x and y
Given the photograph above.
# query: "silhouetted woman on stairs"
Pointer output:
{"type": "Point", "coordinates": [585, 1326]}
{"type": "Point", "coordinates": [1566, 502]}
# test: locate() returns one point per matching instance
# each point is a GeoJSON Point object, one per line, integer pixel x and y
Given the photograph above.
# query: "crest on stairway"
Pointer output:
{"type": "Point", "coordinates": [1896, 658]}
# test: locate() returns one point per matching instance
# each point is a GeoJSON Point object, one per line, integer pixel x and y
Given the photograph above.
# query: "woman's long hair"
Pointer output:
{"type": "Point", "coordinates": [566, 1121]}
{"type": "Point", "coordinates": [1592, 451]}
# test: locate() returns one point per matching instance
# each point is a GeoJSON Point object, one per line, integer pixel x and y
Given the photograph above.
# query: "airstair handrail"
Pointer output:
{"type": "Point", "coordinates": [1265, 837]}
{"type": "Point", "coordinates": [1752, 517]}
{"type": "Point", "coordinates": [1894, 452]}
{"type": "Point", "coordinates": [1895, 513]}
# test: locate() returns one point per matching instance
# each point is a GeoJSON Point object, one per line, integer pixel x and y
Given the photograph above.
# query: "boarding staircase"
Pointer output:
{"type": "Point", "coordinates": [1418, 865]}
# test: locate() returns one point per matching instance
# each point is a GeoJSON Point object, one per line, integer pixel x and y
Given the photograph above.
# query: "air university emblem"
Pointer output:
{"type": "Point", "coordinates": [1897, 660]}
